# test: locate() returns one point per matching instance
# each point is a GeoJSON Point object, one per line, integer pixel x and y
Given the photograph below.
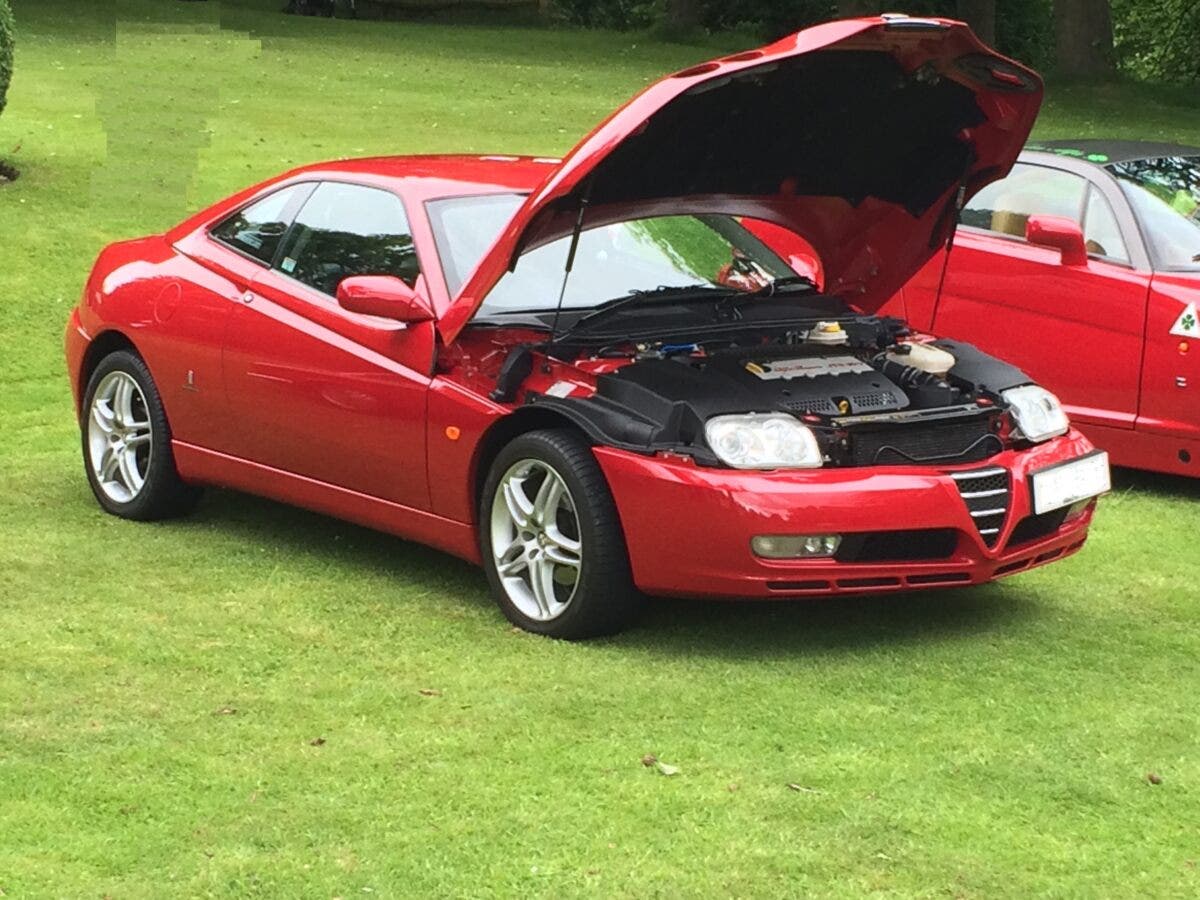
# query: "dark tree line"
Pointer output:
{"type": "Point", "coordinates": [1157, 39]}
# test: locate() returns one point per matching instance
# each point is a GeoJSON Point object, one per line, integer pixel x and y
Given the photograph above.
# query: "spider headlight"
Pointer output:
{"type": "Point", "coordinates": [1038, 414]}
{"type": "Point", "coordinates": [763, 441]}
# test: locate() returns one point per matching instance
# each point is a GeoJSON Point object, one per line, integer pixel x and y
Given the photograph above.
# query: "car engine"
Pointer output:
{"type": "Point", "coordinates": [871, 395]}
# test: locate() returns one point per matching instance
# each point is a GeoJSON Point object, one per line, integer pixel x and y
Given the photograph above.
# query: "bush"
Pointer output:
{"type": "Point", "coordinates": [6, 50]}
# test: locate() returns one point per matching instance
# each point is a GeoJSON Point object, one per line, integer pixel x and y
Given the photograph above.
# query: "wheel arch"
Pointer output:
{"type": "Point", "coordinates": [109, 341]}
{"type": "Point", "coordinates": [521, 421]}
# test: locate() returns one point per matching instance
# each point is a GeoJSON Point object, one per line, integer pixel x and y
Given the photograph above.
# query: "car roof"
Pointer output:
{"type": "Point", "coordinates": [1101, 151]}
{"type": "Point", "coordinates": [447, 175]}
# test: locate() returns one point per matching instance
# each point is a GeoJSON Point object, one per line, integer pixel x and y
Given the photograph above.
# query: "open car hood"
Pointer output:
{"type": "Point", "coordinates": [862, 136]}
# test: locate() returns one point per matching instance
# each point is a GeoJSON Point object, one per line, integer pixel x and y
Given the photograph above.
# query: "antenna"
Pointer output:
{"type": "Point", "coordinates": [562, 293]}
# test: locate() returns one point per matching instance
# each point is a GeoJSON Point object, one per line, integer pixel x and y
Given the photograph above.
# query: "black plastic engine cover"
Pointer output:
{"type": "Point", "coordinates": [797, 380]}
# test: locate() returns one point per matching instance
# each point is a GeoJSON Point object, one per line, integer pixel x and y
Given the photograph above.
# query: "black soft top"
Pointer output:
{"type": "Point", "coordinates": [1103, 152]}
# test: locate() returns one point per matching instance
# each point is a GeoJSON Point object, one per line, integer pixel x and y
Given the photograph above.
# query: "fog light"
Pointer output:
{"type": "Point", "coordinates": [795, 546]}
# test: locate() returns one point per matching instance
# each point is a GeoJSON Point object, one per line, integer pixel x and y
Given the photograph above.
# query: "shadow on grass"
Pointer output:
{"type": "Point", "coordinates": [670, 627]}
{"type": "Point", "coordinates": [1178, 487]}
{"type": "Point", "coordinates": [300, 531]}
{"type": "Point", "coordinates": [829, 624]}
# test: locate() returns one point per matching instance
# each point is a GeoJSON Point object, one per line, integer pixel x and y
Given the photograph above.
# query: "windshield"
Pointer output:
{"type": "Point", "coordinates": [611, 260]}
{"type": "Point", "coordinates": [1165, 194]}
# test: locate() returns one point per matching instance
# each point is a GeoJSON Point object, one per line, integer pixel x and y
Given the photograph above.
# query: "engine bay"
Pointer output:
{"type": "Point", "coordinates": [871, 392]}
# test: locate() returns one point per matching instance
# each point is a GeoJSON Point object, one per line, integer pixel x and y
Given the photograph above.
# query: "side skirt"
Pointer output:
{"type": "Point", "coordinates": [1142, 449]}
{"type": "Point", "coordinates": [202, 466]}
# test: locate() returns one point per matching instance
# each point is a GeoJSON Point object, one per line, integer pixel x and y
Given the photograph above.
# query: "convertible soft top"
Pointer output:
{"type": "Point", "coordinates": [1102, 152]}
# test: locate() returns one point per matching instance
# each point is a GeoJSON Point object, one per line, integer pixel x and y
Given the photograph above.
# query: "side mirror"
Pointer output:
{"type": "Point", "coordinates": [385, 296]}
{"type": "Point", "coordinates": [1062, 234]}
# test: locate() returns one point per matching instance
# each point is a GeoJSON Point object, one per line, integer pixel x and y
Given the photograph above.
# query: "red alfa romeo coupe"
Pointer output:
{"type": "Point", "coordinates": [593, 376]}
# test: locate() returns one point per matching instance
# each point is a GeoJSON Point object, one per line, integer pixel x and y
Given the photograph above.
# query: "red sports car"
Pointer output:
{"type": "Point", "coordinates": [592, 376]}
{"type": "Point", "coordinates": [1083, 268]}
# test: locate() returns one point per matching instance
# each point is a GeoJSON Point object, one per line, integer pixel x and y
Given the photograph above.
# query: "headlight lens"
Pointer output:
{"type": "Point", "coordinates": [1038, 413]}
{"type": "Point", "coordinates": [763, 441]}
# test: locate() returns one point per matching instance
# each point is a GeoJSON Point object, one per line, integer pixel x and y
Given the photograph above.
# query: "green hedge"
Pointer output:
{"type": "Point", "coordinates": [6, 49]}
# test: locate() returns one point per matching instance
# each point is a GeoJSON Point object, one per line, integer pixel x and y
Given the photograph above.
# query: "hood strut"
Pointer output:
{"type": "Point", "coordinates": [959, 201]}
{"type": "Point", "coordinates": [562, 292]}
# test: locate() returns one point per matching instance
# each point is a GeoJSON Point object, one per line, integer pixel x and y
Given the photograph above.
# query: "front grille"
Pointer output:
{"type": "Point", "coordinates": [1035, 527]}
{"type": "Point", "coordinates": [928, 443]}
{"type": "Point", "coordinates": [987, 493]}
{"type": "Point", "coordinates": [898, 546]}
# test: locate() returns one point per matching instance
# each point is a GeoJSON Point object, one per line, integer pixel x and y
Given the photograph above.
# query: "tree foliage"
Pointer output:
{"type": "Point", "coordinates": [1150, 39]}
{"type": "Point", "coordinates": [6, 50]}
{"type": "Point", "coordinates": [1158, 40]}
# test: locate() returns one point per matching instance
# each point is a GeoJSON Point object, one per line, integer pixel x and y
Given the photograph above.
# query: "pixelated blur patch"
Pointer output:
{"type": "Point", "coordinates": [145, 103]}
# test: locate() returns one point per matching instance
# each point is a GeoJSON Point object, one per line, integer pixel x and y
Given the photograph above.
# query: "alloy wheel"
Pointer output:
{"type": "Point", "coordinates": [119, 437]}
{"type": "Point", "coordinates": [536, 542]}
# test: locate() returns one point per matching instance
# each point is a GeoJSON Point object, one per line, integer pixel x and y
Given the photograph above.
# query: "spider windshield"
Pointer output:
{"type": "Point", "coordinates": [1165, 194]}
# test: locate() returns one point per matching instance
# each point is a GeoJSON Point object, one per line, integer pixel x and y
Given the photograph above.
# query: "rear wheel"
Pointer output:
{"type": "Point", "coordinates": [552, 544]}
{"type": "Point", "coordinates": [127, 443]}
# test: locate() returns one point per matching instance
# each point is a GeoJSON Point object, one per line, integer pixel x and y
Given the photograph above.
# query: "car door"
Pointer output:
{"type": "Point", "coordinates": [1077, 330]}
{"type": "Point", "coordinates": [214, 270]}
{"type": "Point", "coordinates": [320, 392]}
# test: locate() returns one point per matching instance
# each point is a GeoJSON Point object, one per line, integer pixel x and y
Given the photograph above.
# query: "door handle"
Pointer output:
{"type": "Point", "coordinates": [248, 297]}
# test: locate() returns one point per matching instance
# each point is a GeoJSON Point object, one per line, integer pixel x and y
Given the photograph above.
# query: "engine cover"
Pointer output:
{"type": "Point", "coordinates": [829, 385]}
{"type": "Point", "coordinates": [824, 381]}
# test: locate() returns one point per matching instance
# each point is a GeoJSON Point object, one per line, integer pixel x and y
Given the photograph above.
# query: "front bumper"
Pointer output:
{"type": "Point", "coordinates": [688, 528]}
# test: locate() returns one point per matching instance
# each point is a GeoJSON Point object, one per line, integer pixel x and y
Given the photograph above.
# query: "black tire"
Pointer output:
{"type": "Point", "coordinates": [604, 600]}
{"type": "Point", "coordinates": [163, 494]}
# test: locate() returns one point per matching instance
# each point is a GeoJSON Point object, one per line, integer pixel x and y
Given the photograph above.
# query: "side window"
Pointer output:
{"type": "Point", "coordinates": [258, 229]}
{"type": "Point", "coordinates": [1100, 230]}
{"type": "Point", "coordinates": [1005, 206]}
{"type": "Point", "coordinates": [348, 229]}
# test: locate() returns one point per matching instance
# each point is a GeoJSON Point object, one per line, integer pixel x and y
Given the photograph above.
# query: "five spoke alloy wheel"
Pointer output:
{"type": "Point", "coordinates": [119, 437]}
{"type": "Point", "coordinates": [551, 539]}
{"type": "Point", "coordinates": [127, 443]}
{"type": "Point", "coordinates": [536, 541]}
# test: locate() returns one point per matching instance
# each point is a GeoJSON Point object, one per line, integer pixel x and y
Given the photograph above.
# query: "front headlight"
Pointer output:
{"type": "Point", "coordinates": [762, 441]}
{"type": "Point", "coordinates": [1038, 413]}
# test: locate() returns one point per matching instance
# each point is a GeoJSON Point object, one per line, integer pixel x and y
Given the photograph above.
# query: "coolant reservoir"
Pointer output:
{"type": "Point", "coordinates": [924, 357]}
{"type": "Point", "coordinates": [828, 333]}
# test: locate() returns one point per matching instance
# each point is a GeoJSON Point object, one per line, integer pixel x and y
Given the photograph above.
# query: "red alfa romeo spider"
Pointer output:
{"type": "Point", "coordinates": [1083, 268]}
{"type": "Point", "coordinates": [593, 376]}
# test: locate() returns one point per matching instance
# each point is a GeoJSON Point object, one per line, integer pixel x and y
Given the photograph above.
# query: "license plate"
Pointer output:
{"type": "Point", "coordinates": [1066, 483]}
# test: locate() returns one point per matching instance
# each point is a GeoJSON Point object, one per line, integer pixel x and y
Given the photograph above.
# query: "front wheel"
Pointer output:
{"type": "Point", "coordinates": [127, 443]}
{"type": "Point", "coordinates": [552, 544]}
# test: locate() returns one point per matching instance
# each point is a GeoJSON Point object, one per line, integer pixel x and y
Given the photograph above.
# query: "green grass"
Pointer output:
{"type": "Point", "coordinates": [161, 686]}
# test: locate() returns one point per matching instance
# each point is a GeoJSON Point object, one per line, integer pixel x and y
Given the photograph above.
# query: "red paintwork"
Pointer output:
{"type": "Point", "coordinates": [1061, 233]}
{"type": "Point", "coordinates": [868, 250]}
{"type": "Point", "coordinates": [689, 527]}
{"type": "Point", "coordinates": [277, 390]}
{"type": "Point", "coordinates": [385, 296]}
{"type": "Point", "coordinates": [1097, 333]}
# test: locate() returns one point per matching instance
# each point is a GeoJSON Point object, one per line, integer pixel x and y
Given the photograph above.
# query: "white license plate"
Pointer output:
{"type": "Point", "coordinates": [1069, 482]}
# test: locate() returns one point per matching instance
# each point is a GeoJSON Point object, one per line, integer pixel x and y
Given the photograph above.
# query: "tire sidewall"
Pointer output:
{"type": "Point", "coordinates": [161, 468]}
{"type": "Point", "coordinates": [596, 539]}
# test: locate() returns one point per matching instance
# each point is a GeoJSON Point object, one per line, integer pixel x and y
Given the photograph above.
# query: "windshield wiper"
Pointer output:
{"type": "Point", "coordinates": [786, 283]}
{"type": "Point", "coordinates": [660, 295]}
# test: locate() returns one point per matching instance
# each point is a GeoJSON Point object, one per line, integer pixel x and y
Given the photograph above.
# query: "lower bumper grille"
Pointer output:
{"type": "Point", "coordinates": [1032, 528]}
{"type": "Point", "coordinates": [987, 493]}
{"type": "Point", "coordinates": [898, 546]}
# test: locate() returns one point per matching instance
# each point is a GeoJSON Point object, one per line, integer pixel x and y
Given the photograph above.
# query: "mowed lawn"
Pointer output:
{"type": "Point", "coordinates": [261, 701]}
